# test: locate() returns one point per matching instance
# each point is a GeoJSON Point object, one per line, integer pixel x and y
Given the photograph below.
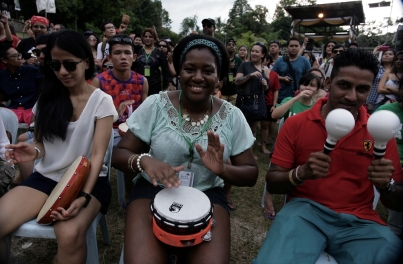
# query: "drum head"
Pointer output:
{"type": "Point", "coordinates": [123, 127]}
{"type": "Point", "coordinates": [182, 204]}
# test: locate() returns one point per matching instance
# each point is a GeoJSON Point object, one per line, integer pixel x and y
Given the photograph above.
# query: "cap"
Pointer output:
{"type": "Point", "coordinates": [88, 33]}
{"type": "Point", "coordinates": [208, 20]}
{"type": "Point", "coordinates": [230, 40]}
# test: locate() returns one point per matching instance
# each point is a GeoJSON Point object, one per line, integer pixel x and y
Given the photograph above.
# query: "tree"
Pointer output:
{"type": "Point", "coordinates": [188, 25]}
{"type": "Point", "coordinates": [238, 18]}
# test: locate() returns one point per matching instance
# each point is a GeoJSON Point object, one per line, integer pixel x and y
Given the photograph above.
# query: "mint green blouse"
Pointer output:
{"type": "Point", "coordinates": [156, 123]}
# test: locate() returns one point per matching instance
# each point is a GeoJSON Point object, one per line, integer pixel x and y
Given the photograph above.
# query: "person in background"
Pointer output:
{"type": "Point", "coordinates": [40, 49]}
{"type": "Point", "coordinates": [229, 90]}
{"type": "Point", "coordinates": [300, 65]}
{"type": "Point", "coordinates": [6, 37]}
{"type": "Point", "coordinates": [395, 219]}
{"type": "Point", "coordinates": [137, 40]}
{"type": "Point", "coordinates": [208, 25]}
{"type": "Point", "coordinates": [312, 59]}
{"type": "Point", "coordinates": [327, 51]}
{"type": "Point", "coordinates": [132, 35]}
{"type": "Point", "coordinates": [389, 83]}
{"type": "Point", "coordinates": [322, 92]}
{"type": "Point", "coordinates": [57, 27]}
{"type": "Point", "coordinates": [243, 53]}
{"type": "Point", "coordinates": [153, 64]}
{"type": "Point", "coordinates": [108, 31]}
{"type": "Point", "coordinates": [328, 66]}
{"type": "Point", "coordinates": [352, 45]}
{"type": "Point", "coordinates": [274, 51]}
{"type": "Point", "coordinates": [375, 99]}
{"type": "Point", "coordinates": [39, 25]}
{"type": "Point", "coordinates": [93, 40]}
{"type": "Point", "coordinates": [166, 48]}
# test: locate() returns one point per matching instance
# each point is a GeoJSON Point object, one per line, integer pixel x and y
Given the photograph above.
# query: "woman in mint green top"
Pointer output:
{"type": "Point", "coordinates": [289, 106]}
{"type": "Point", "coordinates": [191, 131]}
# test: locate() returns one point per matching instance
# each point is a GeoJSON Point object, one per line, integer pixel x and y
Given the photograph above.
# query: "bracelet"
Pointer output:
{"type": "Point", "coordinates": [37, 152]}
{"type": "Point", "coordinates": [130, 162]}
{"type": "Point", "coordinates": [138, 161]}
{"type": "Point", "coordinates": [296, 176]}
{"type": "Point", "coordinates": [291, 179]}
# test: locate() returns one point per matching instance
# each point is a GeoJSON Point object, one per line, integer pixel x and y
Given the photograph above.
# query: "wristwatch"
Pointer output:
{"type": "Point", "coordinates": [87, 197]}
{"type": "Point", "coordinates": [390, 188]}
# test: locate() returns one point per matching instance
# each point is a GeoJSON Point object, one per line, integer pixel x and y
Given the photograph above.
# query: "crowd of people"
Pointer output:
{"type": "Point", "coordinates": [197, 107]}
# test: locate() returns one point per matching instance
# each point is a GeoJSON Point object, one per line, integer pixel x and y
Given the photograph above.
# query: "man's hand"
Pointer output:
{"type": "Point", "coordinates": [380, 172]}
{"type": "Point", "coordinates": [317, 166]}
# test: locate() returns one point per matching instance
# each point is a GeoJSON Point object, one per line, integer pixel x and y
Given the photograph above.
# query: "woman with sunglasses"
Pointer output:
{"type": "Point", "coordinates": [202, 132]}
{"type": "Point", "coordinates": [153, 64]}
{"type": "Point", "coordinates": [73, 118]}
{"type": "Point", "coordinates": [389, 83]}
{"type": "Point", "coordinates": [166, 48]}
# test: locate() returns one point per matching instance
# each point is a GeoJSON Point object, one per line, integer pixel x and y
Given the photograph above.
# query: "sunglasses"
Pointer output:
{"type": "Point", "coordinates": [337, 51]}
{"type": "Point", "coordinates": [70, 66]}
{"type": "Point", "coordinates": [38, 26]}
{"type": "Point", "coordinates": [108, 66]}
{"type": "Point", "coordinates": [162, 46]}
{"type": "Point", "coordinates": [126, 40]}
{"type": "Point", "coordinates": [110, 27]}
{"type": "Point", "coordinates": [15, 56]}
{"type": "Point", "coordinates": [37, 52]}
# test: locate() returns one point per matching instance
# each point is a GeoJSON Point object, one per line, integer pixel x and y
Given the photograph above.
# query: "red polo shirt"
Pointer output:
{"type": "Point", "coordinates": [346, 189]}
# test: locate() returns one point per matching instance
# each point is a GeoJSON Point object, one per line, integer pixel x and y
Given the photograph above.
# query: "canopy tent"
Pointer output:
{"type": "Point", "coordinates": [321, 22]}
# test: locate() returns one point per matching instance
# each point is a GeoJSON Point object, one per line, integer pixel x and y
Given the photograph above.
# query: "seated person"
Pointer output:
{"type": "Point", "coordinates": [331, 196]}
{"type": "Point", "coordinates": [19, 83]}
{"type": "Point", "coordinates": [177, 145]}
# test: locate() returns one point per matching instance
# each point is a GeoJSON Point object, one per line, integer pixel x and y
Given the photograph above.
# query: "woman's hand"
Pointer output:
{"type": "Point", "coordinates": [263, 82]}
{"type": "Point", "coordinates": [20, 153]}
{"type": "Point", "coordinates": [61, 214]}
{"type": "Point", "coordinates": [122, 107]}
{"type": "Point", "coordinates": [304, 93]}
{"type": "Point", "coordinates": [213, 157]}
{"type": "Point", "coordinates": [162, 172]}
{"type": "Point", "coordinates": [257, 74]}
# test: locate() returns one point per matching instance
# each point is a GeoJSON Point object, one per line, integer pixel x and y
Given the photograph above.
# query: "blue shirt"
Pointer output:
{"type": "Point", "coordinates": [301, 66]}
{"type": "Point", "coordinates": [373, 94]}
{"type": "Point", "coordinates": [22, 86]}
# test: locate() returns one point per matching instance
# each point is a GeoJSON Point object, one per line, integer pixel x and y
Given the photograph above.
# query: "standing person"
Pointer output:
{"type": "Point", "coordinates": [243, 53]}
{"type": "Point", "coordinates": [39, 25]}
{"type": "Point", "coordinates": [166, 48]}
{"type": "Point", "coordinates": [153, 64]}
{"type": "Point", "coordinates": [290, 69]}
{"type": "Point", "coordinates": [375, 99]}
{"type": "Point", "coordinates": [328, 66]}
{"type": "Point", "coordinates": [229, 90]}
{"type": "Point", "coordinates": [159, 123]}
{"type": "Point", "coordinates": [274, 51]}
{"type": "Point", "coordinates": [58, 27]}
{"type": "Point", "coordinates": [327, 51]}
{"type": "Point", "coordinates": [208, 25]}
{"type": "Point", "coordinates": [108, 31]}
{"type": "Point", "coordinates": [330, 197]}
{"type": "Point", "coordinates": [389, 83]}
{"type": "Point", "coordinates": [395, 219]}
{"type": "Point", "coordinates": [73, 118]}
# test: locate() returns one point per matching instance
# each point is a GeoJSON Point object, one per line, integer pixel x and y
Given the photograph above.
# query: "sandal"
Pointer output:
{"type": "Point", "coordinates": [231, 206]}
{"type": "Point", "coordinates": [266, 152]}
{"type": "Point", "coordinates": [269, 215]}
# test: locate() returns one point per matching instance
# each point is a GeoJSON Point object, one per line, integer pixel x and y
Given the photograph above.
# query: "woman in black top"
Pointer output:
{"type": "Point", "coordinates": [153, 64]}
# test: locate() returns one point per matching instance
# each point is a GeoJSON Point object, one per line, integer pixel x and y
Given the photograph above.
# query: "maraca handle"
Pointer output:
{"type": "Point", "coordinates": [326, 151]}
{"type": "Point", "coordinates": [379, 152]}
{"type": "Point", "coordinates": [328, 147]}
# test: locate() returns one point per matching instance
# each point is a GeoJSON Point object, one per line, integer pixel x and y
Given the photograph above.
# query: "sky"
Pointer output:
{"type": "Point", "coordinates": [180, 9]}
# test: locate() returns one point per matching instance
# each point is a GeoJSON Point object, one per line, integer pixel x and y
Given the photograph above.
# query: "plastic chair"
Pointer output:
{"type": "Point", "coordinates": [32, 229]}
{"type": "Point", "coordinates": [10, 121]}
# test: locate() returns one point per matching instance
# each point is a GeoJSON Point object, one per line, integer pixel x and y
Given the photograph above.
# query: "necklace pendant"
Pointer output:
{"type": "Point", "coordinates": [198, 123]}
{"type": "Point", "coordinates": [205, 118]}
{"type": "Point", "coordinates": [189, 165]}
{"type": "Point", "coordinates": [193, 123]}
{"type": "Point", "coordinates": [187, 119]}
{"type": "Point", "coordinates": [202, 121]}
{"type": "Point", "coordinates": [185, 116]}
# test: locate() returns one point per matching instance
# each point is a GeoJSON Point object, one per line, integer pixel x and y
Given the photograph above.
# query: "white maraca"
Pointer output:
{"type": "Point", "coordinates": [382, 125]}
{"type": "Point", "coordinates": [339, 122]}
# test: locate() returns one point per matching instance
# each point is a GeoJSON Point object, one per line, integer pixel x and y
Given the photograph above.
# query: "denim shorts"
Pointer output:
{"type": "Point", "coordinates": [143, 189]}
{"type": "Point", "coordinates": [102, 189]}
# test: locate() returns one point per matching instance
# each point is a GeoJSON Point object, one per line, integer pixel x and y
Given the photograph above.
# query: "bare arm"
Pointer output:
{"type": "Point", "coordinates": [144, 93]}
{"type": "Point", "coordinates": [4, 20]}
{"type": "Point", "coordinates": [381, 86]}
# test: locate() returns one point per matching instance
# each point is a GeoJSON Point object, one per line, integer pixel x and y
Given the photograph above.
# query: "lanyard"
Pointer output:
{"type": "Point", "coordinates": [147, 55]}
{"type": "Point", "coordinates": [206, 125]}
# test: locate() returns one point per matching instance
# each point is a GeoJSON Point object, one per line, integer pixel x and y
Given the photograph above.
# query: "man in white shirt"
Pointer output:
{"type": "Point", "coordinates": [108, 30]}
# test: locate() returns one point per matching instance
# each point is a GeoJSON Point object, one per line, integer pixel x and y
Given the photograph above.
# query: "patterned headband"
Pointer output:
{"type": "Point", "coordinates": [203, 42]}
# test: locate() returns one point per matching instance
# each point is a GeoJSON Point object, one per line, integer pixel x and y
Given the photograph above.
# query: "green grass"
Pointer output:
{"type": "Point", "coordinates": [248, 226]}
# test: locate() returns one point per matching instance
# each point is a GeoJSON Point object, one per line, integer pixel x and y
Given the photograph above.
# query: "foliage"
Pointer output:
{"type": "Point", "coordinates": [373, 33]}
{"type": "Point", "coordinates": [188, 25]}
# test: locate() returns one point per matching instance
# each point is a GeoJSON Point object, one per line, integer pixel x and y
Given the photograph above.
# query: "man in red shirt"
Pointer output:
{"type": "Point", "coordinates": [331, 196]}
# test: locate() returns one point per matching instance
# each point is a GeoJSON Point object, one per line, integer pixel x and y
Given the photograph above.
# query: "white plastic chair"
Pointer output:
{"type": "Point", "coordinates": [10, 121]}
{"type": "Point", "coordinates": [32, 229]}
